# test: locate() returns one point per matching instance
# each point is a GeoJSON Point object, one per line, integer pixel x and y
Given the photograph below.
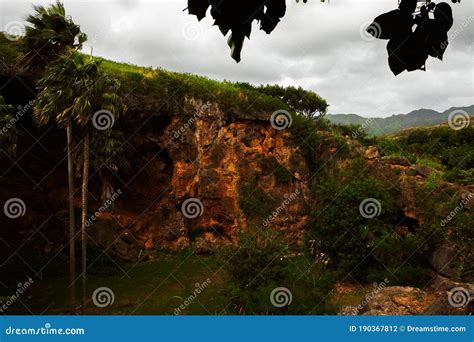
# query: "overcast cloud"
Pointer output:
{"type": "Point", "coordinates": [317, 46]}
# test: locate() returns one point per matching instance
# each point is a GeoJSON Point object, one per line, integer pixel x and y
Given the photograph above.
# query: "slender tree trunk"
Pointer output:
{"type": "Point", "coordinates": [85, 181]}
{"type": "Point", "coordinates": [72, 223]}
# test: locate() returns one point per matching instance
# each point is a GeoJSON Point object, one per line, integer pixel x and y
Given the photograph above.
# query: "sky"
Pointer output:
{"type": "Point", "coordinates": [318, 46]}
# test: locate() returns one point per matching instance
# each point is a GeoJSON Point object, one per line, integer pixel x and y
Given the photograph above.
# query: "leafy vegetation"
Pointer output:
{"type": "Point", "coordinates": [368, 249]}
{"type": "Point", "coordinates": [261, 264]}
{"type": "Point", "coordinates": [445, 149]}
{"type": "Point", "coordinates": [303, 102]}
{"type": "Point", "coordinates": [409, 49]}
{"type": "Point", "coordinates": [237, 17]}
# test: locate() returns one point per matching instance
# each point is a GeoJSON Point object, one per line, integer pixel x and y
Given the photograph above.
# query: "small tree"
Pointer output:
{"type": "Point", "coordinates": [304, 102]}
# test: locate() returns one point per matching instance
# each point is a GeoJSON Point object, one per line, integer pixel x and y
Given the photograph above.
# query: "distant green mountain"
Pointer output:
{"type": "Point", "coordinates": [394, 123]}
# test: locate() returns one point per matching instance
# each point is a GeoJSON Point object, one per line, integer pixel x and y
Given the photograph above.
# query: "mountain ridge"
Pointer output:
{"type": "Point", "coordinates": [380, 126]}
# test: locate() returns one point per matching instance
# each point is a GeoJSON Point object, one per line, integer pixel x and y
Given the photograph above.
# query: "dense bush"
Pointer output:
{"type": "Point", "coordinates": [262, 263]}
{"type": "Point", "coordinates": [365, 248]}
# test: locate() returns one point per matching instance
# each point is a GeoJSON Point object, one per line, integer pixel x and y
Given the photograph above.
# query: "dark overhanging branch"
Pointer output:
{"type": "Point", "coordinates": [408, 49]}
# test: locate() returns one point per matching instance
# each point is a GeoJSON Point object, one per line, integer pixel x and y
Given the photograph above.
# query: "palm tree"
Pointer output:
{"type": "Point", "coordinates": [93, 91]}
{"type": "Point", "coordinates": [73, 89]}
{"type": "Point", "coordinates": [53, 104]}
{"type": "Point", "coordinates": [49, 33]}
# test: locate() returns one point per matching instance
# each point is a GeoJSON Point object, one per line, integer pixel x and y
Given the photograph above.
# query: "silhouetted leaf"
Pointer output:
{"type": "Point", "coordinates": [443, 15]}
{"type": "Point", "coordinates": [408, 6]}
{"type": "Point", "coordinates": [390, 25]}
{"type": "Point", "coordinates": [198, 8]}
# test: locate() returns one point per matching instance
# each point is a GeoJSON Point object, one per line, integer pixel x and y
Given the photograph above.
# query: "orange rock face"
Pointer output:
{"type": "Point", "coordinates": [210, 162]}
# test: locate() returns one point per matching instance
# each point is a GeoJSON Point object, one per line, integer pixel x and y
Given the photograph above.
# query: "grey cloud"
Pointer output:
{"type": "Point", "coordinates": [316, 45]}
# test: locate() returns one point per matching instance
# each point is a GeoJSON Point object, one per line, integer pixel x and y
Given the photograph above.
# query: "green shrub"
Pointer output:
{"type": "Point", "coordinates": [262, 264]}
{"type": "Point", "coordinates": [456, 175]}
{"type": "Point", "coordinates": [365, 248]}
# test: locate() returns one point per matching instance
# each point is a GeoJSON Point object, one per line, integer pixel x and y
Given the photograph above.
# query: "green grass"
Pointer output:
{"type": "Point", "coordinates": [170, 89]}
{"type": "Point", "coordinates": [154, 287]}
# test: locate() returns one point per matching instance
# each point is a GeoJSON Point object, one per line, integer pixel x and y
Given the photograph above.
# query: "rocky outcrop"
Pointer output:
{"type": "Point", "coordinates": [404, 300]}
{"type": "Point", "coordinates": [218, 166]}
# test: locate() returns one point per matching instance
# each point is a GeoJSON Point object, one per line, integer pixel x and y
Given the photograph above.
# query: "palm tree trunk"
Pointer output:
{"type": "Point", "coordinates": [72, 223]}
{"type": "Point", "coordinates": [85, 181]}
